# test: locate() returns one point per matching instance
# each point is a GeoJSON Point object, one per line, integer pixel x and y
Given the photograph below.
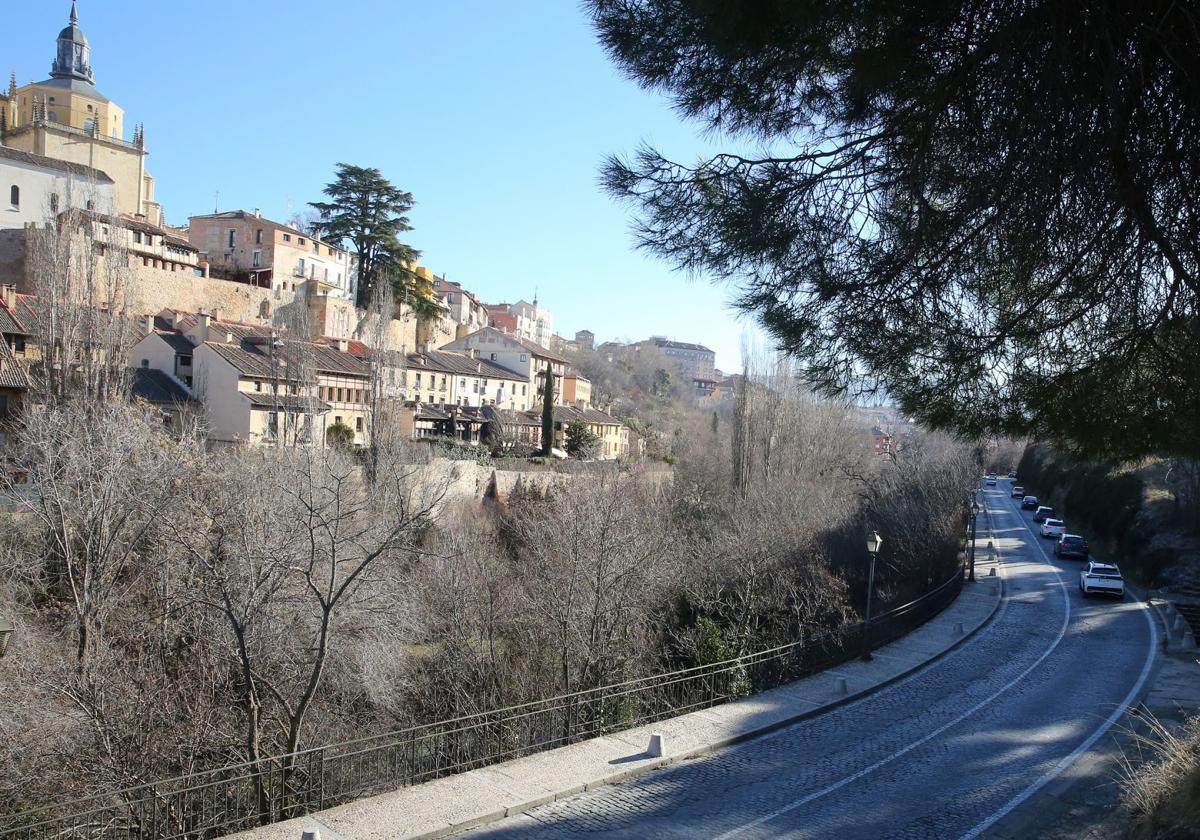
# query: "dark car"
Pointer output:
{"type": "Point", "coordinates": [1029, 503]}
{"type": "Point", "coordinates": [1071, 545]}
{"type": "Point", "coordinates": [1043, 513]}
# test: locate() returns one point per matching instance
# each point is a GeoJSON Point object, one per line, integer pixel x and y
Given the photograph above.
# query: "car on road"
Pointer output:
{"type": "Point", "coordinates": [1012, 473]}
{"type": "Point", "coordinates": [1043, 513]}
{"type": "Point", "coordinates": [1071, 545]}
{"type": "Point", "coordinates": [1053, 528]}
{"type": "Point", "coordinates": [1029, 503]}
{"type": "Point", "coordinates": [991, 481]}
{"type": "Point", "coordinates": [1101, 579]}
{"type": "Point", "coordinates": [1018, 492]}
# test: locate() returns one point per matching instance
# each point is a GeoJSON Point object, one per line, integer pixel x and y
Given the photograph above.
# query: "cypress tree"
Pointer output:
{"type": "Point", "coordinates": [548, 413]}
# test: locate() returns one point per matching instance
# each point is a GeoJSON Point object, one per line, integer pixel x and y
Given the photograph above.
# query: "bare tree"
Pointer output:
{"type": "Point", "coordinates": [286, 549]}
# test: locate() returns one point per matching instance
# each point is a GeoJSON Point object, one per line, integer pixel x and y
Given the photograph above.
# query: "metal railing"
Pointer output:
{"type": "Point", "coordinates": [246, 796]}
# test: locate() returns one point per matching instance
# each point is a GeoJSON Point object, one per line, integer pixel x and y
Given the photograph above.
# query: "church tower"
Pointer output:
{"type": "Point", "coordinates": [67, 118]}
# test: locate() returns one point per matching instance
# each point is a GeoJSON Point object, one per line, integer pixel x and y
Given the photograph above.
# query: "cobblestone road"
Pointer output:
{"type": "Point", "coordinates": [939, 754]}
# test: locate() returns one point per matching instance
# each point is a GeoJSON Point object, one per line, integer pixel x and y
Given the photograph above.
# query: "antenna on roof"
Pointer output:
{"type": "Point", "coordinates": [217, 202]}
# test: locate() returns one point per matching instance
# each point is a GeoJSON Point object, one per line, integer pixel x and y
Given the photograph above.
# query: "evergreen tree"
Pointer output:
{"type": "Point", "coordinates": [983, 209]}
{"type": "Point", "coordinates": [368, 211]}
{"type": "Point", "coordinates": [581, 441]}
{"type": "Point", "coordinates": [548, 412]}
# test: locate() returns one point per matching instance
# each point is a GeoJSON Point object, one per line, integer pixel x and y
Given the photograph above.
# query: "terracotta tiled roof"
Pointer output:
{"type": "Point", "coordinates": [256, 360]}
{"type": "Point", "coordinates": [12, 372]}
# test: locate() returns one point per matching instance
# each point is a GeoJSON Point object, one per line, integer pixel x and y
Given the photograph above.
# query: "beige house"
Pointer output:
{"type": "Point", "coordinates": [524, 428]}
{"type": "Point", "coordinates": [438, 377]}
{"type": "Point", "coordinates": [67, 118]}
{"type": "Point", "coordinates": [246, 247]}
{"type": "Point", "coordinates": [259, 387]}
{"type": "Point", "coordinates": [520, 356]}
{"type": "Point", "coordinates": [463, 308]}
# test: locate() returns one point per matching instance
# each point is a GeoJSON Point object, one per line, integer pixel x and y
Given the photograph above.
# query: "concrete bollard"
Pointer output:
{"type": "Point", "coordinates": [655, 750]}
{"type": "Point", "coordinates": [992, 573]}
{"type": "Point", "coordinates": [958, 629]}
{"type": "Point", "coordinates": [311, 835]}
{"type": "Point", "coordinates": [842, 686]}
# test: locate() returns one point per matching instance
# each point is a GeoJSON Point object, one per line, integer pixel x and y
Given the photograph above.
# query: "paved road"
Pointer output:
{"type": "Point", "coordinates": [944, 753]}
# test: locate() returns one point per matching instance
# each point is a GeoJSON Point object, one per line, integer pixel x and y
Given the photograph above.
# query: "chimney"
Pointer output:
{"type": "Point", "coordinates": [203, 322]}
{"type": "Point", "coordinates": [9, 293]}
{"type": "Point", "coordinates": [257, 213]}
{"type": "Point", "coordinates": [342, 344]}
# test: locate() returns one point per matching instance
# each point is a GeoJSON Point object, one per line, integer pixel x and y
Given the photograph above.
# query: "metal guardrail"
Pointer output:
{"type": "Point", "coordinates": [246, 796]}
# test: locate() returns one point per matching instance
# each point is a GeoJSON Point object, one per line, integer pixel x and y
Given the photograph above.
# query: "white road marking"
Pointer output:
{"type": "Point", "coordinates": [1068, 760]}
{"type": "Point", "coordinates": [825, 791]}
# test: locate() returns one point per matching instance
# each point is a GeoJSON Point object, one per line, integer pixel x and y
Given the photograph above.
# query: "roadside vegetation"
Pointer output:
{"type": "Point", "coordinates": [1162, 792]}
{"type": "Point", "coordinates": [1147, 513]}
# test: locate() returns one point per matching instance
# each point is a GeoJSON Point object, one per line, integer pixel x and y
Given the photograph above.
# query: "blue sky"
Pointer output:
{"type": "Point", "coordinates": [495, 116]}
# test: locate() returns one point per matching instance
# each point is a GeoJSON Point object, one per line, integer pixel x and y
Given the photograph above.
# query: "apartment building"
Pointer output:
{"type": "Point", "coordinates": [520, 356]}
{"type": "Point", "coordinates": [524, 320]}
{"type": "Point", "coordinates": [438, 377]}
{"type": "Point", "coordinates": [251, 249]}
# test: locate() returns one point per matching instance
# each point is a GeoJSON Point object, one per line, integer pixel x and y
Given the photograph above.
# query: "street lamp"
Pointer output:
{"type": "Point", "coordinates": [974, 517]}
{"type": "Point", "coordinates": [874, 543]}
{"type": "Point", "coordinates": [6, 630]}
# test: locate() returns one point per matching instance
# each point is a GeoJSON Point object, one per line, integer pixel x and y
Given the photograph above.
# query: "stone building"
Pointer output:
{"type": "Point", "coordinates": [67, 118]}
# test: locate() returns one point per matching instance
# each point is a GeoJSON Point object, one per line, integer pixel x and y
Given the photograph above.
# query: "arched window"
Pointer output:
{"type": "Point", "coordinates": [14, 196]}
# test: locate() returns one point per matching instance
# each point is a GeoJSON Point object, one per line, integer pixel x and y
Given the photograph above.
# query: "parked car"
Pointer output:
{"type": "Point", "coordinates": [1012, 473]}
{"type": "Point", "coordinates": [1053, 528]}
{"type": "Point", "coordinates": [1043, 513]}
{"type": "Point", "coordinates": [1018, 492]}
{"type": "Point", "coordinates": [1029, 503]}
{"type": "Point", "coordinates": [991, 481]}
{"type": "Point", "coordinates": [1071, 545]}
{"type": "Point", "coordinates": [1101, 579]}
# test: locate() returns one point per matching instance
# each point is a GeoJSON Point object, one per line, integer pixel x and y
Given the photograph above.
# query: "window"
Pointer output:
{"type": "Point", "coordinates": [52, 99]}
{"type": "Point", "coordinates": [493, 357]}
{"type": "Point", "coordinates": [300, 240]}
{"type": "Point", "coordinates": [337, 421]}
{"type": "Point", "coordinates": [185, 360]}
{"type": "Point", "coordinates": [145, 363]}
{"type": "Point", "coordinates": [232, 238]}
{"type": "Point", "coordinates": [18, 344]}
{"type": "Point", "coordinates": [317, 248]}
{"type": "Point", "coordinates": [89, 109]}
{"type": "Point", "coordinates": [524, 390]}
{"type": "Point", "coordinates": [91, 205]}
{"type": "Point", "coordinates": [287, 237]}
{"type": "Point", "coordinates": [14, 197]}
{"type": "Point", "coordinates": [258, 387]}
{"type": "Point", "coordinates": [358, 424]}
{"type": "Point", "coordinates": [137, 237]}
{"type": "Point", "coordinates": [330, 252]}
{"type": "Point", "coordinates": [524, 358]}
{"type": "Point", "coordinates": [54, 202]}
{"type": "Point", "coordinates": [256, 259]}
{"type": "Point", "coordinates": [258, 237]}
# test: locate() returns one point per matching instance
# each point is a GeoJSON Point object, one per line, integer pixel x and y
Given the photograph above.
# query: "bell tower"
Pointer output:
{"type": "Point", "coordinates": [74, 59]}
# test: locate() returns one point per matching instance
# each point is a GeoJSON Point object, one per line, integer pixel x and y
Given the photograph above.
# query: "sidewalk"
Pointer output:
{"type": "Point", "coordinates": [456, 803]}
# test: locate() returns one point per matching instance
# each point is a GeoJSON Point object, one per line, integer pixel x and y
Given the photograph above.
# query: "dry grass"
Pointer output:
{"type": "Point", "coordinates": [1161, 786]}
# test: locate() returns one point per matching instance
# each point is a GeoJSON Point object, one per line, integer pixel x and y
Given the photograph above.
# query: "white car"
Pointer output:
{"type": "Point", "coordinates": [1101, 579]}
{"type": "Point", "coordinates": [1054, 528]}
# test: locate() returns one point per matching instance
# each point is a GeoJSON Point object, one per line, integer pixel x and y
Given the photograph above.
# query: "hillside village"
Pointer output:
{"type": "Point", "coordinates": [253, 323]}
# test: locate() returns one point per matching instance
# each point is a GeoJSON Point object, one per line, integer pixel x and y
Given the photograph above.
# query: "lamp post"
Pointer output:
{"type": "Point", "coordinates": [874, 543]}
{"type": "Point", "coordinates": [974, 517]}
{"type": "Point", "coordinates": [6, 630]}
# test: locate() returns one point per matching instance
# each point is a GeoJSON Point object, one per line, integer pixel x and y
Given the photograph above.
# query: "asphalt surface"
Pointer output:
{"type": "Point", "coordinates": [946, 752]}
